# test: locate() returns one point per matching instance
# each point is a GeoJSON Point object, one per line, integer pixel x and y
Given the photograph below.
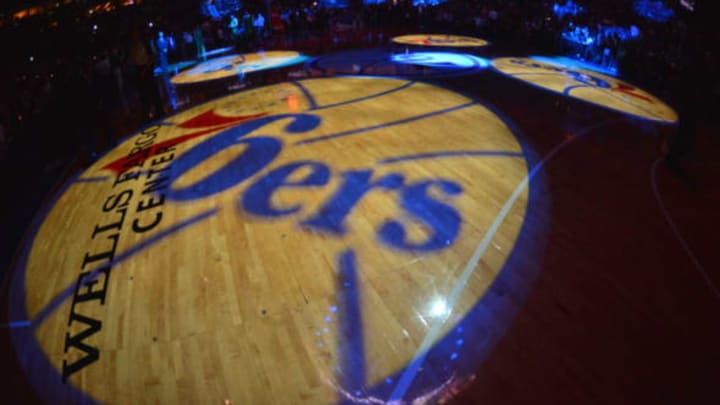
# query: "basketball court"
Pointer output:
{"type": "Point", "coordinates": [410, 227]}
{"type": "Point", "coordinates": [419, 64]}
{"type": "Point", "coordinates": [440, 40]}
{"type": "Point", "coordinates": [235, 65]}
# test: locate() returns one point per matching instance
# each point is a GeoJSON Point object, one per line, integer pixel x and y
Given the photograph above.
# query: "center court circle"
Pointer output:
{"type": "Point", "coordinates": [293, 243]}
{"type": "Point", "coordinates": [439, 40]}
{"type": "Point", "coordinates": [587, 85]}
{"type": "Point", "coordinates": [229, 66]}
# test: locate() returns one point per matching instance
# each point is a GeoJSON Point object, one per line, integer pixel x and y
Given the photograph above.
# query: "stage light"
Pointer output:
{"type": "Point", "coordinates": [653, 10]}
{"type": "Point", "coordinates": [293, 104]}
{"type": "Point", "coordinates": [568, 8]}
{"type": "Point", "coordinates": [439, 308]}
{"type": "Point", "coordinates": [32, 59]}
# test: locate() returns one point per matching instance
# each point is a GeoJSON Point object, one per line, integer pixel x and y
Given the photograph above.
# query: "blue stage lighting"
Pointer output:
{"type": "Point", "coordinates": [427, 3]}
{"type": "Point", "coordinates": [569, 8]}
{"type": "Point", "coordinates": [653, 10]}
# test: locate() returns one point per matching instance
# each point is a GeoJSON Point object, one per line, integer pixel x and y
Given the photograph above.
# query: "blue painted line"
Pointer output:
{"type": "Point", "coordinates": [411, 372]}
{"type": "Point", "coordinates": [568, 89]}
{"type": "Point", "coordinates": [307, 94]}
{"type": "Point", "coordinates": [380, 126]}
{"type": "Point", "coordinates": [98, 179]}
{"type": "Point", "coordinates": [357, 100]}
{"type": "Point", "coordinates": [458, 153]}
{"type": "Point", "coordinates": [351, 373]}
{"type": "Point", "coordinates": [70, 290]}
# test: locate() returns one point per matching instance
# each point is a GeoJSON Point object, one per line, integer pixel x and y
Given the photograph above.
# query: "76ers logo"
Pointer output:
{"type": "Point", "coordinates": [242, 220]}
{"type": "Point", "coordinates": [440, 40]}
{"type": "Point", "coordinates": [587, 85]}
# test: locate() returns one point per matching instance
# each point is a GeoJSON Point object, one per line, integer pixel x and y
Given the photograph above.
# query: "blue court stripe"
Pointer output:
{"type": "Point", "coordinates": [351, 375]}
{"type": "Point", "coordinates": [415, 366]}
{"type": "Point", "coordinates": [307, 94]}
{"type": "Point", "coordinates": [568, 89]}
{"type": "Point", "coordinates": [357, 100]}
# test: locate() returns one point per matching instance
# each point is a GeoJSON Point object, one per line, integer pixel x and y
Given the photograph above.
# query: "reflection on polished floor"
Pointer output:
{"type": "Point", "coordinates": [378, 226]}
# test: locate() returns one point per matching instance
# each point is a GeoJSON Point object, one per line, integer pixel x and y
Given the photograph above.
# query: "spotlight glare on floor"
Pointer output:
{"type": "Point", "coordinates": [439, 308]}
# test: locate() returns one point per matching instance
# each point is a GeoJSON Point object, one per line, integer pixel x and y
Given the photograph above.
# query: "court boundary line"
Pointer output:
{"type": "Point", "coordinates": [653, 118]}
{"type": "Point", "coordinates": [450, 153]}
{"type": "Point", "coordinates": [421, 353]}
{"type": "Point", "coordinates": [676, 232]}
{"type": "Point", "coordinates": [386, 125]}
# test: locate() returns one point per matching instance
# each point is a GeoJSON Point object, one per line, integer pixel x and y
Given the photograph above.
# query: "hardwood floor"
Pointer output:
{"type": "Point", "coordinates": [473, 239]}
